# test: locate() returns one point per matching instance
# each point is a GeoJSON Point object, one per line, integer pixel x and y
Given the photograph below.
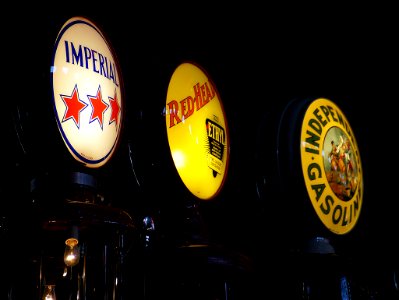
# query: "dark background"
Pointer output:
{"type": "Point", "coordinates": [260, 58]}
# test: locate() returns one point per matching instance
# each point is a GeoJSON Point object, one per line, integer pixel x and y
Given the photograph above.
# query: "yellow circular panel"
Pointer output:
{"type": "Point", "coordinates": [197, 131]}
{"type": "Point", "coordinates": [331, 166]}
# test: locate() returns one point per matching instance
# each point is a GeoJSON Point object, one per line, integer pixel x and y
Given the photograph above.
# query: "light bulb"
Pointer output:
{"type": "Point", "coordinates": [49, 292]}
{"type": "Point", "coordinates": [71, 254]}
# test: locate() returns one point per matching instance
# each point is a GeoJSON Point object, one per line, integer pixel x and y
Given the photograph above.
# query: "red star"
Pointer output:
{"type": "Point", "coordinates": [73, 106]}
{"type": "Point", "coordinates": [99, 107]}
{"type": "Point", "coordinates": [115, 110]}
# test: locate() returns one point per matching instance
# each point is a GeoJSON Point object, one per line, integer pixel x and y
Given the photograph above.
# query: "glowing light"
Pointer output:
{"type": "Point", "coordinates": [71, 254]}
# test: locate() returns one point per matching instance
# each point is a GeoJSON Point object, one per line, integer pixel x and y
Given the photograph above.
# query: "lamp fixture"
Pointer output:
{"type": "Point", "coordinates": [72, 252]}
{"type": "Point", "coordinates": [49, 292]}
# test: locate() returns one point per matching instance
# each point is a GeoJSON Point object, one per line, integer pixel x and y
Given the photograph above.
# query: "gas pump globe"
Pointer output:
{"type": "Point", "coordinates": [81, 238]}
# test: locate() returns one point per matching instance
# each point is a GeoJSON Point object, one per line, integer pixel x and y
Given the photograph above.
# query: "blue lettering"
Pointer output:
{"type": "Point", "coordinates": [92, 59]}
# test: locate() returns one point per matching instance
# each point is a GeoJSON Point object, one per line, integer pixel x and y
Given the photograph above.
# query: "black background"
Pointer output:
{"type": "Point", "coordinates": [259, 58]}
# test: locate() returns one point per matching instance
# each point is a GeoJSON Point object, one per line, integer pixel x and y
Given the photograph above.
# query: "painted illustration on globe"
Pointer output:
{"type": "Point", "coordinates": [331, 166]}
